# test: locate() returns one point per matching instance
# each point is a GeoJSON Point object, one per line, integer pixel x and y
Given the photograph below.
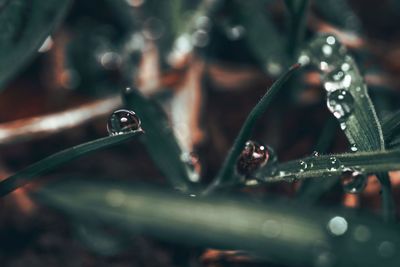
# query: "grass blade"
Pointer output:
{"type": "Point", "coordinates": [159, 140]}
{"type": "Point", "coordinates": [391, 130]}
{"type": "Point", "coordinates": [50, 163]}
{"type": "Point", "coordinates": [271, 230]}
{"type": "Point", "coordinates": [24, 25]}
{"type": "Point", "coordinates": [225, 174]}
{"type": "Point", "coordinates": [331, 166]}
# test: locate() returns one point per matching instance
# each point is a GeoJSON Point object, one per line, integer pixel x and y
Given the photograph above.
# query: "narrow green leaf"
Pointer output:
{"type": "Point", "coordinates": [50, 163]}
{"type": "Point", "coordinates": [391, 130]}
{"type": "Point", "coordinates": [24, 25]}
{"type": "Point", "coordinates": [225, 175]}
{"type": "Point", "coordinates": [271, 230]}
{"type": "Point", "coordinates": [331, 166]}
{"type": "Point", "coordinates": [159, 139]}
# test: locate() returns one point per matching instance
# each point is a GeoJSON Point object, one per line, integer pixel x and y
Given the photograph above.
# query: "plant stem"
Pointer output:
{"type": "Point", "coordinates": [226, 172]}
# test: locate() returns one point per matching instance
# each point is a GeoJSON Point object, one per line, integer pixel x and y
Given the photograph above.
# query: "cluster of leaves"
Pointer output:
{"type": "Point", "coordinates": [270, 230]}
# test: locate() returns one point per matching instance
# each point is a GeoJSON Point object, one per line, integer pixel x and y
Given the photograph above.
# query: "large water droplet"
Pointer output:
{"type": "Point", "coordinates": [340, 103]}
{"type": "Point", "coordinates": [353, 181]}
{"type": "Point", "coordinates": [336, 79]}
{"type": "Point", "coordinates": [303, 166]}
{"type": "Point", "coordinates": [337, 225]}
{"type": "Point", "coordinates": [123, 121]}
{"type": "Point", "coordinates": [334, 164]}
{"type": "Point", "coordinates": [253, 156]}
{"type": "Point", "coordinates": [327, 52]}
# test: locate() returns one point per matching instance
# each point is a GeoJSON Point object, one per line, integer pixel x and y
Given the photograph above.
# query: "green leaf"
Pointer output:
{"type": "Point", "coordinates": [331, 166]}
{"type": "Point", "coordinates": [272, 230]}
{"type": "Point", "coordinates": [24, 25]}
{"type": "Point", "coordinates": [391, 130]}
{"type": "Point", "coordinates": [361, 125]}
{"type": "Point", "coordinates": [159, 139]}
{"type": "Point", "coordinates": [225, 176]}
{"type": "Point", "coordinates": [45, 165]}
{"type": "Point", "coordinates": [262, 36]}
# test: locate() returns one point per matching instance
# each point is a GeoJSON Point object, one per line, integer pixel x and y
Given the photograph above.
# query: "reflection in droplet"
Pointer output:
{"type": "Point", "coordinates": [337, 79]}
{"type": "Point", "coordinates": [110, 60]}
{"type": "Point", "coordinates": [337, 225]}
{"type": "Point", "coordinates": [386, 249]}
{"type": "Point", "coordinates": [353, 181]}
{"type": "Point", "coordinates": [362, 233]}
{"type": "Point", "coordinates": [340, 103]}
{"type": "Point", "coordinates": [271, 229]}
{"type": "Point", "coordinates": [253, 156]}
{"type": "Point", "coordinates": [123, 121]}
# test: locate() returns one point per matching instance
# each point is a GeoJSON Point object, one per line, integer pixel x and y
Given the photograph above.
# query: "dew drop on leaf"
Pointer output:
{"type": "Point", "coordinates": [303, 166]}
{"type": "Point", "coordinates": [353, 181]}
{"type": "Point", "coordinates": [123, 121]}
{"type": "Point", "coordinates": [315, 154]}
{"type": "Point", "coordinates": [340, 103]}
{"type": "Point", "coordinates": [354, 148]}
{"type": "Point", "coordinates": [334, 164]}
{"type": "Point", "coordinates": [253, 156]}
{"type": "Point", "coordinates": [337, 79]}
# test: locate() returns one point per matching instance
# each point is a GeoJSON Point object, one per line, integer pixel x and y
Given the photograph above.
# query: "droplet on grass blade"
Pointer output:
{"type": "Point", "coordinates": [123, 121]}
{"type": "Point", "coordinates": [340, 103]}
{"type": "Point", "coordinates": [253, 156]}
{"type": "Point", "coordinates": [353, 181]}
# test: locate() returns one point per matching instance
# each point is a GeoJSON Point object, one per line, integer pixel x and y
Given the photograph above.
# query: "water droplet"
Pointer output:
{"type": "Point", "coordinates": [315, 154]}
{"type": "Point", "coordinates": [123, 121]}
{"type": "Point", "coordinates": [193, 163]}
{"type": "Point", "coordinates": [353, 181]}
{"type": "Point", "coordinates": [253, 156]}
{"type": "Point", "coordinates": [334, 164]}
{"type": "Point", "coordinates": [343, 126]}
{"type": "Point", "coordinates": [336, 79]}
{"type": "Point", "coordinates": [303, 166]}
{"type": "Point", "coordinates": [236, 32]}
{"type": "Point", "coordinates": [337, 225]}
{"type": "Point", "coordinates": [47, 45]}
{"type": "Point", "coordinates": [386, 249]}
{"type": "Point", "coordinates": [354, 148]}
{"type": "Point", "coordinates": [327, 52]}
{"type": "Point", "coordinates": [362, 233]}
{"type": "Point", "coordinates": [340, 103]}
{"type": "Point", "coordinates": [304, 59]}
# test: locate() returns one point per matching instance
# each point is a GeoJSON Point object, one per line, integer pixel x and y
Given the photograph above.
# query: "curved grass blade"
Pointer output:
{"type": "Point", "coordinates": [272, 230]}
{"type": "Point", "coordinates": [159, 139]}
{"type": "Point", "coordinates": [225, 174]}
{"type": "Point", "coordinates": [24, 25]}
{"type": "Point", "coordinates": [47, 164]}
{"type": "Point", "coordinates": [331, 166]}
{"type": "Point", "coordinates": [348, 100]}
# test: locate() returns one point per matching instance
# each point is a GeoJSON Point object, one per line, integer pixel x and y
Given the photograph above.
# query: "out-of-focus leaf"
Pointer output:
{"type": "Point", "coordinates": [159, 139]}
{"type": "Point", "coordinates": [262, 36]}
{"type": "Point", "coordinates": [297, 20]}
{"type": "Point", "coordinates": [332, 166]}
{"type": "Point", "coordinates": [47, 164]}
{"type": "Point", "coordinates": [339, 13]}
{"type": "Point", "coordinates": [226, 174]}
{"type": "Point", "coordinates": [272, 231]}
{"type": "Point", "coordinates": [24, 25]}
